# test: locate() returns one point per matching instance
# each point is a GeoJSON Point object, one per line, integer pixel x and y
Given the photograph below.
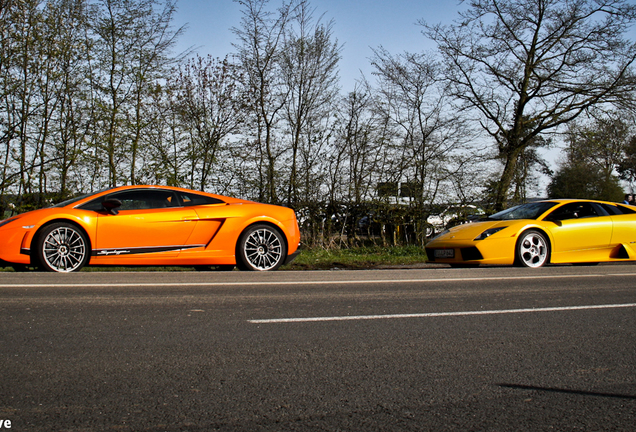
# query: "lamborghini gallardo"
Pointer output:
{"type": "Point", "coordinates": [151, 225]}
{"type": "Point", "coordinates": [542, 232]}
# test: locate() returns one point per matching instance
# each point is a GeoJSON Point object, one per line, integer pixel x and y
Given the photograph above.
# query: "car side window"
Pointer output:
{"type": "Point", "coordinates": [145, 199]}
{"type": "Point", "coordinates": [190, 199]}
{"type": "Point", "coordinates": [624, 209]}
{"type": "Point", "coordinates": [612, 210]}
{"type": "Point", "coordinates": [576, 210]}
{"type": "Point", "coordinates": [138, 199]}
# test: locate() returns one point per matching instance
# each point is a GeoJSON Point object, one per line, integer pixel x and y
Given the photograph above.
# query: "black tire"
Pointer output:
{"type": "Point", "coordinates": [532, 249]}
{"type": "Point", "coordinates": [62, 247]}
{"type": "Point", "coordinates": [261, 248]}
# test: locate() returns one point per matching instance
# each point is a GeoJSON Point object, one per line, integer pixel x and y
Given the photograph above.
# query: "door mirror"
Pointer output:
{"type": "Point", "coordinates": [111, 205]}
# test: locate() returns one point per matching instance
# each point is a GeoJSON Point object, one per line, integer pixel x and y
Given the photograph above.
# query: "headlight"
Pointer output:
{"type": "Point", "coordinates": [488, 233]}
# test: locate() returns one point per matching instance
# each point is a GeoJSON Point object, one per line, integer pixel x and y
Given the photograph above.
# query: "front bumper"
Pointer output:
{"type": "Point", "coordinates": [461, 254]}
{"type": "Point", "coordinates": [500, 251]}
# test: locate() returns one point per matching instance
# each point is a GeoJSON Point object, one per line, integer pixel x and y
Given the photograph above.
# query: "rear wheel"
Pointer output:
{"type": "Point", "coordinates": [533, 249]}
{"type": "Point", "coordinates": [261, 248]}
{"type": "Point", "coordinates": [62, 247]}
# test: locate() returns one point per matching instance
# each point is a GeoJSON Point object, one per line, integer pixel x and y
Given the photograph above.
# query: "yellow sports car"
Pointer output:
{"type": "Point", "coordinates": [542, 232]}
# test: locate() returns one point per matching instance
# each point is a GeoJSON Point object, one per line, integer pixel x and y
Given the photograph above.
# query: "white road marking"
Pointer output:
{"type": "Point", "coordinates": [304, 282]}
{"type": "Point", "coordinates": [438, 314]}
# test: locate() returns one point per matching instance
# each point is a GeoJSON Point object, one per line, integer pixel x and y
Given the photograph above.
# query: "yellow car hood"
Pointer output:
{"type": "Point", "coordinates": [470, 231]}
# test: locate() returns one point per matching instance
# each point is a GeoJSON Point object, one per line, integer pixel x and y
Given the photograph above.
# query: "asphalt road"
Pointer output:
{"type": "Point", "coordinates": [488, 349]}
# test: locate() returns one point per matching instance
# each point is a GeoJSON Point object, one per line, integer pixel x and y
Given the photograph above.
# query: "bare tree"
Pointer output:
{"type": "Point", "coordinates": [530, 66]}
{"type": "Point", "coordinates": [601, 143]}
{"type": "Point", "coordinates": [132, 42]}
{"type": "Point", "coordinates": [309, 65]}
{"type": "Point", "coordinates": [261, 37]}
{"type": "Point", "coordinates": [433, 140]}
{"type": "Point", "coordinates": [8, 115]}
{"type": "Point", "coordinates": [167, 149]}
{"type": "Point", "coordinates": [40, 59]}
{"type": "Point", "coordinates": [70, 116]}
{"type": "Point", "coordinates": [359, 159]}
{"type": "Point", "coordinates": [151, 61]}
{"type": "Point", "coordinates": [414, 101]}
{"type": "Point", "coordinates": [595, 152]}
{"type": "Point", "coordinates": [209, 101]}
{"type": "Point", "coordinates": [24, 19]}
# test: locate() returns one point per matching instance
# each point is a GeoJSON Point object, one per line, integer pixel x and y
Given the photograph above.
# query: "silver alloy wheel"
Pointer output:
{"type": "Point", "coordinates": [263, 249]}
{"type": "Point", "coordinates": [64, 249]}
{"type": "Point", "coordinates": [533, 249]}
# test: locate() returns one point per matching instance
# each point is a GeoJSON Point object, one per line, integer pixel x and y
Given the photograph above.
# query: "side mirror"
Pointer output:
{"type": "Point", "coordinates": [111, 205]}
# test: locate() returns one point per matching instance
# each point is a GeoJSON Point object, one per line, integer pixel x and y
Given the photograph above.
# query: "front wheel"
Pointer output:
{"type": "Point", "coordinates": [533, 249]}
{"type": "Point", "coordinates": [62, 247]}
{"type": "Point", "coordinates": [261, 248]}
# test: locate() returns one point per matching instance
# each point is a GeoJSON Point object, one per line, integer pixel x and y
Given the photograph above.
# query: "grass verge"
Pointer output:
{"type": "Point", "coordinates": [358, 258]}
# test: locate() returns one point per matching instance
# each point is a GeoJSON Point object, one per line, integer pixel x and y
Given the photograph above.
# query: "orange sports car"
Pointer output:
{"type": "Point", "coordinates": [151, 225]}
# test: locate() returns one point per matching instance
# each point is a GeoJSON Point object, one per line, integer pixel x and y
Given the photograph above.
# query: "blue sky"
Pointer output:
{"type": "Point", "coordinates": [358, 24]}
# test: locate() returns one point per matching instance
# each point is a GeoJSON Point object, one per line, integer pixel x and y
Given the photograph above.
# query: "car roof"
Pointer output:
{"type": "Point", "coordinates": [158, 187]}
{"type": "Point", "coordinates": [568, 200]}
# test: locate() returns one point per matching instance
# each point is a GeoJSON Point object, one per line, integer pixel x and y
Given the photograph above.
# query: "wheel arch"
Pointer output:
{"type": "Point", "coordinates": [539, 230]}
{"type": "Point", "coordinates": [240, 257]}
{"type": "Point", "coordinates": [38, 232]}
{"type": "Point", "coordinates": [262, 222]}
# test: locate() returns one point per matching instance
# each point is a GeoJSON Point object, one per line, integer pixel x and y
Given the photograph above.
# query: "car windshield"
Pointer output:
{"type": "Point", "coordinates": [77, 198]}
{"type": "Point", "coordinates": [524, 211]}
